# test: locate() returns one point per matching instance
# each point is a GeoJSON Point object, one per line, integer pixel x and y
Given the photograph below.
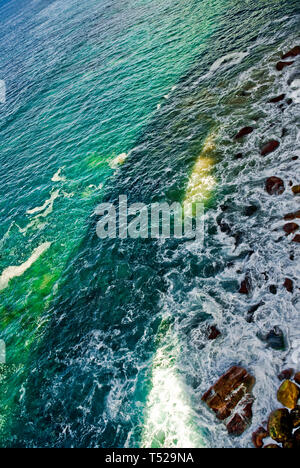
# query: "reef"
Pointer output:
{"type": "Point", "coordinates": [283, 424]}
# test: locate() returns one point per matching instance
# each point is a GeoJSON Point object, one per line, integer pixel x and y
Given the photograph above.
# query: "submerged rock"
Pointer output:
{"type": "Point", "coordinates": [231, 390]}
{"type": "Point", "coordinates": [272, 446]}
{"type": "Point", "coordinates": [251, 312]}
{"type": "Point", "coordinates": [289, 444]}
{"type": "Point", "coordinates": [244, 132]}
{"type": "Point", "coordinates": [270, 147]}
{"type": "Point", "coordinates": [280, 425]}
{"type": "Point", "coordinates": [289, 286]}
{"type": "Point", "coordinates": [284, 132]}
{"type": "Point", "coordinates": [275, 186]}
{"type": "Point", "coordinates": [247, 411]}
{"type": "Point", "coordinates": [292, 53]}
{"type": "Point", "coordinates": [290, 228]}
{"type": "Point", "coordinates": [237, 425]}
{"type": "Point", "coordinates": [286, 374]}
{"type": "Point", "coordinates": [275, 339]}
{"type": "Point", "coordinates": [277, 99]}
{"type": "Point", "coordinates": [297, 239]}
{"type": "Point", "coordinates": [238, 238]}
{"type": "Point", "coordinates": [239, 156]}
{"type": "Point", "coordinates": [214, 333]}
{"type": "Point", "coordinates": [296, 439]}
{"type": "Point", "coordinates": [281, 65]}
{"type": "Point", "coordinates": [258, 437]}
{"type": "Point", "coordinates": [245, 286]}
{"type": "Point", "coordinates": [288, 394]}
{"type": "Point", "coordinates": [250, 210]}
{"type": "Point", "coordinates": [295, 415]}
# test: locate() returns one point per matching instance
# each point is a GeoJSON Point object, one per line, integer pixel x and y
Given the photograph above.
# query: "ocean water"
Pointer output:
{"type": "Point", "coordinates": [106, 340]}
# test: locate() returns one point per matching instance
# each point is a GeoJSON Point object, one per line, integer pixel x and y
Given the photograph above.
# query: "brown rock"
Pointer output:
{"type": "Point", "coordinates": [242, 420]}
{"type": "Point", "coordinates": [290, 228]}
{"type": "Point", "coordinates": [277, 99]}
{"type": "Point", "coordinates": [244, 132]}
{"type": "Point", "coordinates": [292, 216]}
{"type": "Point", "coordinates": [232, 389]}
{"type": "Point", "coordinates": [275, 186]}
{"type": "Point", "coordinates": [288, 394]}
{"type": "Point", "coordinates": [286, 374]}
{"type": "Point", "coordinates": [296, 189]}
{"type": "Point", "coordinates": [297, 378]}
{"type": "Point", "coordinates": [292, 53]}
{"type": "Point", "coordinates": [289, 286]}
{"type": "Point", "coordinates": [270, 147]}
{"type": "Point", "coordinates": [280, 425]}
{"type": "Point", "coordinates": [281, 65]}
{"type": "Point", "coordinates": [214, 333]}
{"type": "Point", "coordinates": [297, 239]}
{"type": "Point", "coordinates": [295, 416]}
{"type": "Point", "coordinates": [258, 437]}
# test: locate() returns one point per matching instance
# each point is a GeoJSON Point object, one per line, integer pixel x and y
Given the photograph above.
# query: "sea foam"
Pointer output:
{"type": "Point", "coordinates": [16, 271]}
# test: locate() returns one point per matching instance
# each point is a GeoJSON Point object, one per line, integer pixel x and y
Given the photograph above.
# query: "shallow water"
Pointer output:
{"type": "Point", "coordinates": [98, 331]}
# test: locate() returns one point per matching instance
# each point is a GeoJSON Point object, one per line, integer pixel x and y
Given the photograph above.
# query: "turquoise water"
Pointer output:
{"type": "Point", "coordinates": [95, 330]}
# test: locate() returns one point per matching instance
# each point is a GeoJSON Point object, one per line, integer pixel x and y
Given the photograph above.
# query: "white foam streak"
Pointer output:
{"type": "Point", "coordinates": [17, 271]}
